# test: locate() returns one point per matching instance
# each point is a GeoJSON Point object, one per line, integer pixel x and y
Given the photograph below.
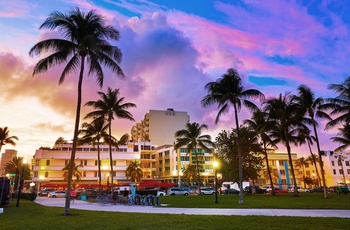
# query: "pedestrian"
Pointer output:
{"type": "Point", "coordinates": [73, 195]}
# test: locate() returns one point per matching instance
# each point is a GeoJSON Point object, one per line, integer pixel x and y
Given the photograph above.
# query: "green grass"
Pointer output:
{"type": "Point", "coordinates": [33, 216]}
{"type": "Point", "coordinates": [284, 201]}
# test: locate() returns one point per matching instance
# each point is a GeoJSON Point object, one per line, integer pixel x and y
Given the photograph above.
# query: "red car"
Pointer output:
{"type": "Point", "coordinates": [278, 191]}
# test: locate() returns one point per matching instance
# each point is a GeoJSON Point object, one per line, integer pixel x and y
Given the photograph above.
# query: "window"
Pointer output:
{"type": "Point", "coordinates": [47, 162]}
{"type": "Point", "coordinates": [35, 174]}
{"type": "Point", "coordinates": [46, 174]}
{"type": "Point", "coordinates": [339, 163]}
{"type": "Point", "coordinates": [37, 162]}
{"type": "Point", "coordinates": [96, 163]}
{"type": "Point", "coordinates": [348, 170]}
{"type": "Point", "coordinates": [341, 171]}
{"type": "Point", "coordinates": [81, 162]}
{"type": "Point", "coordinates": [332, 163]}
{"type": "Point", "coordinates": [283, 172]}
{"type": "Point", "coordinates": [95, 173]}
{"type": "Point", "coordinates": [347, 163]}
{"type": "Point", "coordinates": [306, 165]}
{"type": "Point", "coordinates": [334, 172]}
{"type": "Point", "coordinates": [167, 153]}
{"type": "Point", "coordinates": [84, 173]}
{"type": "Point", "coordinates": [85, 162]}
{"type": "Point", "coordinates": [114, 163]}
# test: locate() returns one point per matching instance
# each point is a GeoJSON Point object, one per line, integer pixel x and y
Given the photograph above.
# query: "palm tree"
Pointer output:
{"type": "Point", "coordinates": [343, 138]}
{"type": "Point", "coordinates": [60, 141]}
{"type": "Point", "coordinates": [17, 166]}
{"type": "Point", "coordinates": [310, 105]}
{"type": "Point", "coordinates": [5, 138]}
{"type": "Point", "coordinates": [301, 162]}
{"type": "Point", "coordinates": [85, 41]}
{"type": "Point", "coordinates": [108, 106]}
{"type": "Point", "coordinates": [192, 137]}
{"type": "Point", "coordinates": [134, 171]}
{"type": "Point", "coordinates": [190, 173]}
{"type": "Point", "coordinates": [260, 123]}
{"type": "Point", "coordinates": [340, 105]}
{"type": "Point", "coordinates": [94, 133]}
{"type": "Point", "coordinates": [285, 113]}
{"type": "Point", "coordinates": [228, 91]}
{"type": "Point", "coordinates": [76, 173]}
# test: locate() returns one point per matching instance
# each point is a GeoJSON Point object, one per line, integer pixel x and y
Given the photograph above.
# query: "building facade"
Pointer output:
{"type": "Point", "coordinates": [159, 126]}
{"type": "Point", "coordinates": [6, 157]}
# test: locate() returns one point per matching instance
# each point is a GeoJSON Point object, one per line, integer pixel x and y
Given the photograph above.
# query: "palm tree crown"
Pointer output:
{"type": "Point", "coordinates": [134, 171]}
{"type": "Point", "coordinates": [5, 138]}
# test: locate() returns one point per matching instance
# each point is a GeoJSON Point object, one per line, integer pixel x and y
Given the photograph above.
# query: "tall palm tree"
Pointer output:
{"type": "Point", "coordinates": [85, 41]}
{"type": "Point", "coordinates": [94, 133]}
{"type": "Point", "coordinates": [108, 106]}
{"type": "Point", "coordinates": [343, 138]}
{"type": "Point", "coordinates": [260, 123]}
{"type": "Point", "coordinates": [285, 113]}
{"type": "Point", "coordinates": [190, 173]}
{"type": "Point", "coordinates": [310, 106]}
{"type": "Point", "coordinates": [5, 138]}
{"type": "Point", "coordinates": [134, 171]}
{"type": "Point", "coordinates": [301, 162]}
{"type": "Point", "coordinates": [228, 91]}
{"type": "Point", "coordinates": [192, 137]}
{"type": "Point", "coordinates": [76, 173]}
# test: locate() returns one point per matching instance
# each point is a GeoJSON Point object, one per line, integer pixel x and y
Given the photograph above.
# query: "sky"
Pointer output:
{"type": "Point", "coordinates": [171, 50]}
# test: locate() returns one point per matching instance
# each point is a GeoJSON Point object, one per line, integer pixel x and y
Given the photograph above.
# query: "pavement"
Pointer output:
{"type": "Point", "coordinates": [84, 205]}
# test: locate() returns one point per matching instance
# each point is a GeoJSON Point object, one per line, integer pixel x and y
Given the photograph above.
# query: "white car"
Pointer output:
{"type": "Point", "coordinates": [58, 193]}
{"type": "Point", "coordinates": [300, 189]}
{"type": "Point", "coordinates": [177, 191]}
{"type": "Point", "coordinates": [160, 192]}
{"type": "Point", "coordinates": [207, 191]}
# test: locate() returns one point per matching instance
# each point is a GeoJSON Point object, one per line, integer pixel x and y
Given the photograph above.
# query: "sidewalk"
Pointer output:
{"type": "Point", "coordinates": [84, 205]}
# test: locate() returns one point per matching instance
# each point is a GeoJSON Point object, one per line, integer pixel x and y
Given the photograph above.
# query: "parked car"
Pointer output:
{"type": "Point", "coordinates": [188, 190]}
{"type": "Point", "coordinates": [160, 192]}
{"type": "Point", "coordinates": [177, 191]}
{"type": "Point", "coordinates": [300, 189]}
{"type": "Point", "coordinates": [44, 192]}
{"type": "Point", "coordinates": [278, 191]}
{"type": "Point", "coordinates": [207, 191]}
{"type": "Point", "coordinates": [58, 193]}
{"type": "Point", "coordinates": [332, 188]}
{"type": "Point", "coordinates": [317, 189]}
{"type": "Point", "coordinates": [258, 190]}
{"type": "Point", "coordinates": [268, 188]}
{"type": "Point", "coordinates": [231, 191]}
{"type": "Point", "coordinates": [342, 189]}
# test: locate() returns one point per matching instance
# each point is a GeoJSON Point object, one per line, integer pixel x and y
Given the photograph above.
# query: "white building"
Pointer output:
{"type": "Point", "coordinates": [336, 167]}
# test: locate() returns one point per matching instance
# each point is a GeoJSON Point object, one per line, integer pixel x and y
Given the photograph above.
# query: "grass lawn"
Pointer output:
{"type": "Point", "coordinates": [33, 216]}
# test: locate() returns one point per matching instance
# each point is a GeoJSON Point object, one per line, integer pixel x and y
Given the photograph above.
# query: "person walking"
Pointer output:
{"type": "Point", "coordinates": [73, 195]}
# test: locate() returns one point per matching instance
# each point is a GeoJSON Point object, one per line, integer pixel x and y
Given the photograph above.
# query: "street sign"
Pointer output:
{"type": "Point", "coordinates": [12, 174]}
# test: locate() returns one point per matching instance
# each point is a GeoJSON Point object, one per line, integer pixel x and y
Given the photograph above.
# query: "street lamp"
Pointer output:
{"type": "Point", "coordinates": [216, 165]}
{"type": "Point", "coordinates": [20, 183]}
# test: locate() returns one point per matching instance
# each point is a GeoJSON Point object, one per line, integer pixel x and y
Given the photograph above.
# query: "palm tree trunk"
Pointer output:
{"type": "Point", "coordinates": [110, 149]}
{"type": "Point", "coordinates": [291, 163]}
{"type": "Point", "coordinates": [240, 169]}
{"type": "Point", "coordinates": [314, 161]}
{"type": "Point", "coordinates": [321, 162]}
{"type": "Point", "coordinates": [268, 169]}
{"type": "Point", "coordinates": [75, 138]}
{"type": "Point", "coordinates": [99, 167]}
{"type": "Point", "coordinates": [198, 171]}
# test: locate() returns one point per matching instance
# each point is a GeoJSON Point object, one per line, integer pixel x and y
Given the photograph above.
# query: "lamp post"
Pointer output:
{"type": "Point", "coordinates": [20, 183]}
{"type": "Point", "coordinates": [216, 164]}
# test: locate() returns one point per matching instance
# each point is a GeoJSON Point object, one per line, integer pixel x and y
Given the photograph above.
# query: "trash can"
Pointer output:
{"type": "Point", "coordinates": [32, 196]}
{"type": "Point", "coordinates": [83, 197]}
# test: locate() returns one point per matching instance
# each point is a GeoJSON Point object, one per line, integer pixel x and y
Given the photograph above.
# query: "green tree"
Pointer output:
{"type": "Point", "coordinates": [284, 111]}
{"type": "Point", "coordinates": [192, 138]}
{"type": "Point", "coordinates": [134, 171]}
{"type": "Point", "coordinates": [5, 138]}
{"type": "Point", "coordinates": [60, 141]}
{"type": "Point", "coordinates": [108, 106]}
{"type": "Point", "coordinates": [124, 139]}
{"type": "Point", "coordinates": [312, 108]}
{"type": "Point", "coordinates": [85, 41]}
{"type": "Point", "coordinates": [262, 125]}
{"type": "Point", "coordinates": [77, 175]}
{"type": "Point", "coordinates": [94, 133]}
{"type": "Point", "coordinates": [228, 91]}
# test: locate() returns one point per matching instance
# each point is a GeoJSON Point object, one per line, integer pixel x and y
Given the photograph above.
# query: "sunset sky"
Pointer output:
{"type": "Point", "coordinates": [171, 49]}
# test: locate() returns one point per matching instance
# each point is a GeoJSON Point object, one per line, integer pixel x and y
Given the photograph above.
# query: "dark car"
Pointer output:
{"type": "Point", "coordinates": [318, 189]}
{"type": "Point", "coordinates": [258, 190]}
{"type": "Point", "coordinates": [231, 191]}
{"type": "Point", "coordinates": [45, 192]}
